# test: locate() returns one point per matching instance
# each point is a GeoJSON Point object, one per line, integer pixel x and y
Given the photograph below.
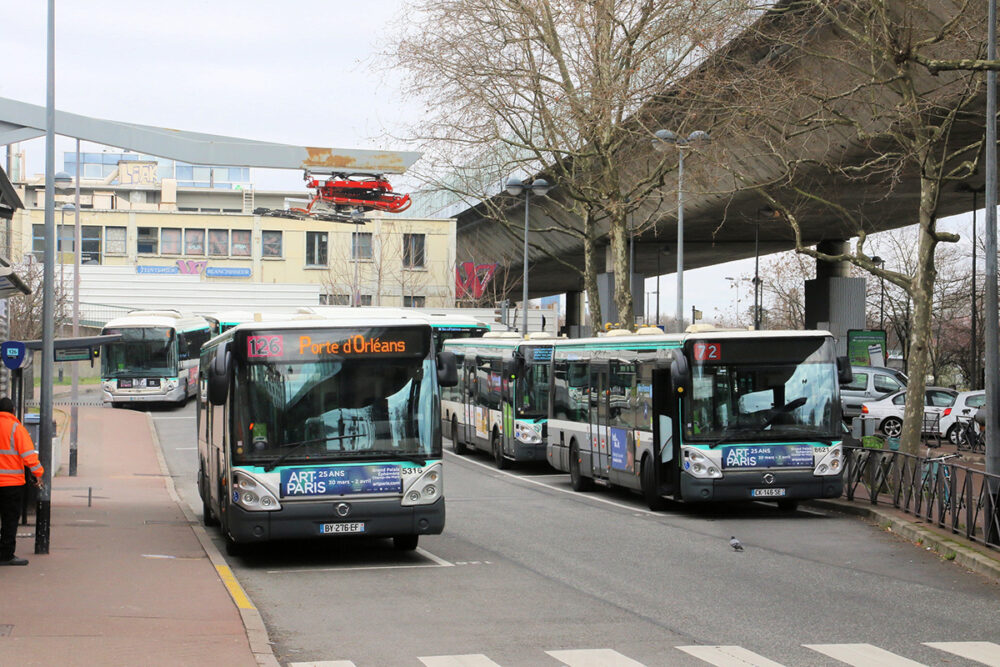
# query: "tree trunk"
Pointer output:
{"type": "Point", "coordinates": [623, 279]}
{"type": "Point", "coordinates": [922, 293]}
{"type": "Point", "coordinates": [590, 274]}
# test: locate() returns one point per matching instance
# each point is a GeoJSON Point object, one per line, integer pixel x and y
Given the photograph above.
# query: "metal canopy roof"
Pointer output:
{"type": "Point", "coordinates": [9, 201]}
{"type": "Point", "coordinates": [20, 121]}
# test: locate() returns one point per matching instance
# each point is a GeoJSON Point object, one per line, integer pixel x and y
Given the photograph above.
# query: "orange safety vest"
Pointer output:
{"type": "Point", "coordinates": [16, 451]}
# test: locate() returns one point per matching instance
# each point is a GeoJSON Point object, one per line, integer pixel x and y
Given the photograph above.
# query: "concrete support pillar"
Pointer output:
{"type": "Point", "coordinates": [834, 300]}
{"type": "Point", "coordinates": [576, 325]}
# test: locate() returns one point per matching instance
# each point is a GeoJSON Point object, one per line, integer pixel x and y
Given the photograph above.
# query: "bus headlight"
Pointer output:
{"type": "Point", "coordinates": [832, 462]}
{"type": "Point", "coordinates": [698, 464]}
{"type": "Point", "coordinates": [426, 488]}
{"type": "Point", "coordinates": [527, 433]}
{"type": "Point", "coordinates": [251, 495]}
{"type": "Point", "coordinates": [171, 384]}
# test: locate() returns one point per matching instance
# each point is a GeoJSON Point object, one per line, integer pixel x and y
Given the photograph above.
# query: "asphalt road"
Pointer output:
{"type": "Point", "coordinates": [526, 566]}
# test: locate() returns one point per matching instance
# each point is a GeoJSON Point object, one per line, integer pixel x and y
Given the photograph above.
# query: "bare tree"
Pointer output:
{"type": "Point", "coordinates": [25, 310]}
{"type": "Point", "coordinates": [564, 89]}
{"type": "Point", "coordinates": [829, 95]}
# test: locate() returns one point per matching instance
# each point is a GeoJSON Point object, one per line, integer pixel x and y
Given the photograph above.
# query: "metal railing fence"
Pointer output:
{"type": "Point", "coordinates": [940, 492]}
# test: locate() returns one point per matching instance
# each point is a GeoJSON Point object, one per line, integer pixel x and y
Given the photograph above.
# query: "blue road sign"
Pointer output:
{"type": "Point", "coordinates": [13, 353]}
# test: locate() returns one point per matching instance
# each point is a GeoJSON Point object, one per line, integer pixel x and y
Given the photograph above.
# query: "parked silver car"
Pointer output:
{"type": "Point", "coordinates": [869, 384]}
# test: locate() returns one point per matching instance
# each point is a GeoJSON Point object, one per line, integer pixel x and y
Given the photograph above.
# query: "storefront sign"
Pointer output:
{"type": "Point", "coordinates": [159, 270]}
{"type": "Point", "coordinates": [227, 272]}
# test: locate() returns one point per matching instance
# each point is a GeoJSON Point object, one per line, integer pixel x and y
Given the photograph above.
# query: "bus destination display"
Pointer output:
{"type": "Point", "coordinates": [313, 345]}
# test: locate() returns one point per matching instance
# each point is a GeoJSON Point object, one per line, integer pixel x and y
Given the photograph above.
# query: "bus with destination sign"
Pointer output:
{"type": "Point", "coordinates": [156, 359]}
{"type": "Point", "coordinates": [445, 326]}
{"type": "Point", "coordinates": [708, 415]}
{"type": "Point", "coordinates": [500, 404]}
{"type": "Point", "coordinates": [316, 428]}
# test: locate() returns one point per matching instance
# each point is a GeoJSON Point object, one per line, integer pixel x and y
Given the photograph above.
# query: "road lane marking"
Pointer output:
{"type": "Point", "coordinates": [440, 561]}
{"type": "Point", "coordinates": [470, 660]}
{"type": "Point", "coordinates": [575, 494]}
{"type": "Point", "coordinates": [863, 655]}
{"type": "Point", "coordinates": [987, 653]}
{"type": "Point", "coordinates": [729, 656]}
{"type": "Point", "coordinates": [594, 657]}
{"type": "Point", "coordinates": [235, 590]}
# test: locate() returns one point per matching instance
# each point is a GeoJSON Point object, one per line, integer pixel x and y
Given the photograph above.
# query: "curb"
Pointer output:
{"type": "Point", "coordinates": [948, 546]}
{"type": "Point", "coordinates": [253, 623]}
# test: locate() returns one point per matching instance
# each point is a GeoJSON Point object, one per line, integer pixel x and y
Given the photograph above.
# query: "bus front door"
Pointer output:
{"type": "Point", "coordinates": [467, 429]}
{"type": "Point", "coordinates": [599, 435]}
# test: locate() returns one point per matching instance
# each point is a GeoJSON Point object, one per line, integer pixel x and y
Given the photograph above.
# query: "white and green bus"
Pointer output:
{"type": "Point", "coordinates": [500, 404]}
{"type": "Point", "coordinates": [320, 428]}
{"type": "Point", "coordinates": [709, 415]}
{"type": "Point", "coordinates": [156, 359]}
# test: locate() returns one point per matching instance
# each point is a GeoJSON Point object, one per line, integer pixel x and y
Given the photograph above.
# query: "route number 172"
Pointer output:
{"type": "Point", "coordinates": [265, 346]}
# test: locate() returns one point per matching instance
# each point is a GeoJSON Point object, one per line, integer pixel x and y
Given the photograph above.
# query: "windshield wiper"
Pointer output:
{"type": "Point", "coordinates": [794, 404]}
{"type": "Point", "coordinates": [295, 445]}
{"type": "Point", "coordinates": [389, 454]}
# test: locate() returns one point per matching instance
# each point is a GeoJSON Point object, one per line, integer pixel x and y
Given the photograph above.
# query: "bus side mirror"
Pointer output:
{"type": "Point", "coordinates": [845, 375]}
{"type": "Point", "coordinates": [680, 372]}
{"type": "Point", "coordinates": [447, 369]}
{"type": "Point", "coordinates": [218, 375]}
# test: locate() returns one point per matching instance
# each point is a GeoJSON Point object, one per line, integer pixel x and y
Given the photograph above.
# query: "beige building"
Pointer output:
{"type": "Point", "coordinates": [136, 218]}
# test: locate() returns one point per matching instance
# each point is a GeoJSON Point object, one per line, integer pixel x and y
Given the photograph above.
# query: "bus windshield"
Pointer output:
{"type": "Point", "coordinates": [335, 409]}
{"type": "Point", "coordinates": [141, 352]}
{"type": "Point", "coordinates": [757, 390]}
{"type": "Point", "coordinates": [533, 391]}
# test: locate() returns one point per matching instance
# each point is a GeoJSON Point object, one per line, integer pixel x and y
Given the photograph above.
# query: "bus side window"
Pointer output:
{"type": "Point", "coordinates": [560, 402]}
{"type": "Point", "coordinates": [182, 346]}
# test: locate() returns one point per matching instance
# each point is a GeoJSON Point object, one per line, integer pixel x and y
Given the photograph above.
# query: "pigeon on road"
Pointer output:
{"type": "Point", "coordinates": [735, 543]}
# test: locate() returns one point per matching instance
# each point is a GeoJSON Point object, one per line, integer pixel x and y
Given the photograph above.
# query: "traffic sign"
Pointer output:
{"type": "Point", "coordinates": [13, 353]}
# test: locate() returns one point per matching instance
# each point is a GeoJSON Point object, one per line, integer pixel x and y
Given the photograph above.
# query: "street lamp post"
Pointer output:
{"type": "Point", "coordinates": [659, 251]}
{"type": "Point", "coordinates": [539, 187]}
{"type": "Point", "coordinates": [663, 140]}
{"type": "Point", "coordinates": [878, 261]}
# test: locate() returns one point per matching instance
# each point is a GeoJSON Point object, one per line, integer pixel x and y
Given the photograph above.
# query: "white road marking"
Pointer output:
{"type": "Point", "coordinates": [594, 657]}
{"type": "Point", "coordinates": [471, 660]}
{"type": "Point", "coordinates": [863, 655]}
{"type": "Point", "coordinates": [987, 653]}
{"type": "Point", "coordinates": [728, 656]}
{"type": "Point", "coordinates": [183, 449]}
{"type": "Point", "coordinates": [438, 562]}
{"type": "Point", "coordinates": [575, 494]}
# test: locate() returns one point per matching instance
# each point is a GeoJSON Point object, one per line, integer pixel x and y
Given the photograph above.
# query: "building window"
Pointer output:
{"type": "Point", "coordinates": [38, 242]}
{"type": "Point", "coordinates": [414, 301]}
{"type": "Point", "coordinates": [335, 299]}
{"type": "Point", "coordinates": [270, 243]}
{"type": "Point", "coordinates": [361, 245]}
{"type": "Point", "coordinates": [90, 244]}
{"type": "Point", "coordinates": [194, 241]}
{"type": "Point", "coordinates": [241, 243]}
{"type": "Point", "coordinates": [148, 241]}
{"type": "Point", "coordinates": [364, 299]}
{"type": "Point", "coordinates": [413, 251]}
{"type": "Point", "coordinates": [170, 240]}
{"type": "Point", "coordinates": [114, 241]}
{"type": "Point", "coordinates": [315, 248]}
{"type": "Point", "coordinates": [218, 242]}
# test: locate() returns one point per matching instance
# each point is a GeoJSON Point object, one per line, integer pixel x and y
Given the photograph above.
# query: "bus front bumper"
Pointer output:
{"type": "Point", "coordinates": [525, 452]}
{"type": "Point", "coordinates": [144, 396]}
{"type": "Point", "coordinates": [298, 520]}
{"type": "Point", "coordinates": [752, 485]}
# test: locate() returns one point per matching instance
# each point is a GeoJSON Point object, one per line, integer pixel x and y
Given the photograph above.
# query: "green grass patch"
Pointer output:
{"type": "Point", "coordinates": [67, 381]}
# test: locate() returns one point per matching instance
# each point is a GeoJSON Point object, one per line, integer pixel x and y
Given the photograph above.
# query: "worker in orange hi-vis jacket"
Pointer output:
{"type": "Point", "coordinates": [17, 451]}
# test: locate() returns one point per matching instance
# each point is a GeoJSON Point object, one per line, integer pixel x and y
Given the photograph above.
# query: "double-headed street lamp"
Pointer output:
{"type": "Point", "coordinates": [539, 187]}
{"type": "Point", "coordinates": [664, 139]}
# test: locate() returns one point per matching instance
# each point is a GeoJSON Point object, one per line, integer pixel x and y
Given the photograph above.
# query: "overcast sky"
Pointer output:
{"type": "Point", "coordinates": [297, 73]}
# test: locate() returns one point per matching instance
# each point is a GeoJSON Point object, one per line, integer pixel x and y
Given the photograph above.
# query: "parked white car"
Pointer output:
{"type": "Point", "coordinates": [966, 404]}
{"type": "Point", "coordinates": [888, 411]}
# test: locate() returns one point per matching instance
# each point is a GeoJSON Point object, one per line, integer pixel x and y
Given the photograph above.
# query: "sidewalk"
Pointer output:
{"type": "Point", "coordinates": [126, 580]}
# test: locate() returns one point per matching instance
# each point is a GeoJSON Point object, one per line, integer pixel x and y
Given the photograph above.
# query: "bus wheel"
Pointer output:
{"type": "Point", "coordinates": [405, 542]}
{"type": "Point", "coordinates": [234, 548]}
{"type": "Point", "coordinates": [502, 463]}
{"type": "Point", "coordinates": [576, 480]}
{"type": "Point", "coordinates": [650, 492]}
{"type": "Point", "coordinates": [788, 505]}
{"type": "Point", "coordinates": [456, 446]}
